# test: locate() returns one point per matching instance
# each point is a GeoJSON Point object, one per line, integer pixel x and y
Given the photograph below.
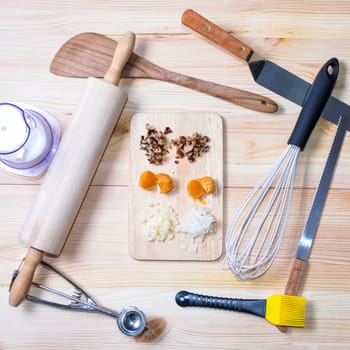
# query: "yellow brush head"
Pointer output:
{"type": "Point", "coordinates": [286, 310]}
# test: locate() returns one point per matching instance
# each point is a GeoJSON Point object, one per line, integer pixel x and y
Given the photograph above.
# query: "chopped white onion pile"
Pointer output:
{"type": "Point", "coordinates": [160, 222]}
{"type": "Point", "coordinates": [198, 223]}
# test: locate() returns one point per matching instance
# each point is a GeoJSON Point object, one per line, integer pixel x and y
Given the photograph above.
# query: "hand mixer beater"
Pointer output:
{"type": "Point", "coordinates": [256, 231]}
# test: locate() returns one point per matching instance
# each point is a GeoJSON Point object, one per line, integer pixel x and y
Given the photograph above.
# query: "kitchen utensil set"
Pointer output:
{"type": "Point", "coordinates": [295, 89]}
{"type": "Point", "coordinates": [49, 222]}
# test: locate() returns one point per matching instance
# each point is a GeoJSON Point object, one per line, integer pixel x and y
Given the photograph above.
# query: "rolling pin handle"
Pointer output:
{"type": "Point", "coordinates": [21, 283]}
{"type": "Point", "coordinates": [121, 56]}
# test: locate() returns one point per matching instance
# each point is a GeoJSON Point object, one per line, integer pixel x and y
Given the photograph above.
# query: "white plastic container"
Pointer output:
{"type": "Point", "coordinates": [29, 138]}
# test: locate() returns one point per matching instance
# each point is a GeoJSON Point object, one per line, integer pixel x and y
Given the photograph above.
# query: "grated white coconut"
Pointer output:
{"type": "Point", "coordinates": [199, 223]}
{"type": "Point", "coordinates": [160, 222]}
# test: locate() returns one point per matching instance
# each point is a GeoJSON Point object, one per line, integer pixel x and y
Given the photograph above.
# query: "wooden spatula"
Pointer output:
{"type": "Point", "coordinates": [90, 54]}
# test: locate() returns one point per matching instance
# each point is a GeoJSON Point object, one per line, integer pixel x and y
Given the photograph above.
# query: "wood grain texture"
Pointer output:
{"type": "Point", "coordinates": [299, 38]}
{"type": "Point", "coordinates": [182, 247]}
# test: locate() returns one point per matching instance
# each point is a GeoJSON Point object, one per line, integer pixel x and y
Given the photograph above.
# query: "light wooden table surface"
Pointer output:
{"type": "Point", "coordinates": [300, 36]}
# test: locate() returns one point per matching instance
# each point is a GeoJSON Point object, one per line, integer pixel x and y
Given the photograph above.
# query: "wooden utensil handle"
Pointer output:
{"type": "Point", "coordinates": [295, 280]}
{"type": "Point", "coordinates": [216, 34]}
{"type": "Point", "coordinates": [22, 282]}
{"type": "Point", "coordinates": [239, 97]}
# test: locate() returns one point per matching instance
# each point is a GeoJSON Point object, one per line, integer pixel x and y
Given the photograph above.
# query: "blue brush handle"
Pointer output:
{"type": "Point", "coordinates": [253, 306]}
{"type": "Point", "coordinates": [314, 103]}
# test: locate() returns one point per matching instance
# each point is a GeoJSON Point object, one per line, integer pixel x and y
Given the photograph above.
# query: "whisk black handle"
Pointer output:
{"type": "Point", "coordinates": [314, 102]}
{"type": "Point", "coordinates": [253, 306]}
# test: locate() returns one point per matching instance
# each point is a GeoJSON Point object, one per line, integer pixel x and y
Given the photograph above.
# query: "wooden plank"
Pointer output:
{"type": "Point", "coordinates": [298, 37]}
{"type": "Point", "coordinates": [182, 247]}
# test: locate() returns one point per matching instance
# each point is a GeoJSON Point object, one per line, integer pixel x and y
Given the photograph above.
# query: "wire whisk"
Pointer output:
{"type": "Point", "coordinates": [256, 231]}
{"type": "Point", "coordinates": [251, 258]}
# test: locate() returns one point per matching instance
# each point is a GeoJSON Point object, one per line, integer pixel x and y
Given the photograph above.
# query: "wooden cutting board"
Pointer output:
{"type": "Point", "coordinates": [182, 246]}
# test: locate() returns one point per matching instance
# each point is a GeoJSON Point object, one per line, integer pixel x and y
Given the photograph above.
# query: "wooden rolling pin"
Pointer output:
{"type": "Point", "coordinates": [66, 183]}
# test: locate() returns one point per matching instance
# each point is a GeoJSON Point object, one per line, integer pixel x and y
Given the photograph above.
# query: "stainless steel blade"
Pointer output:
{"type": "Point", "coordinates": [305, 243]}
{"type": "Point", "coordinates": [279, 81]}
{"type": "Point", "coordinates": [293, 88]}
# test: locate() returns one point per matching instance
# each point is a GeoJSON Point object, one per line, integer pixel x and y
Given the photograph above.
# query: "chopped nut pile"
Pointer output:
{"type": "Point", "coordinates": [154, 143]}
{"type": "Point", "coordinates": [191, 147]}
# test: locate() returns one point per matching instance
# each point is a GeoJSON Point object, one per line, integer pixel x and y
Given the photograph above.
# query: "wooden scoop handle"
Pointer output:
{"type": "Point", "coordinates": [216, 34]}
{"type": "Point", "coordinates": [22, 282]}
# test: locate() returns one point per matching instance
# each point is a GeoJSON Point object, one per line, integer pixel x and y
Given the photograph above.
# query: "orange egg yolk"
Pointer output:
{"type": "Point", "coordinates": [208, 184]}
{"type": "Point", "coordinates": [195, 189]}
{"type": "Point", "coordinates": [148, 180]}
{"type": "Point", "coordinates": [165, 183]}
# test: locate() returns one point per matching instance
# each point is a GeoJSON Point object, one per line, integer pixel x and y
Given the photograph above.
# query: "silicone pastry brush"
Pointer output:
{"type": "Point", "coordinates": [279, 309]}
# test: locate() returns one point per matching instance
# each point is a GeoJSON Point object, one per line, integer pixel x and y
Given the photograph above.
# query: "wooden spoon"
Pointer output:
{"type": "Point", "coordinates": [90, 54]}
